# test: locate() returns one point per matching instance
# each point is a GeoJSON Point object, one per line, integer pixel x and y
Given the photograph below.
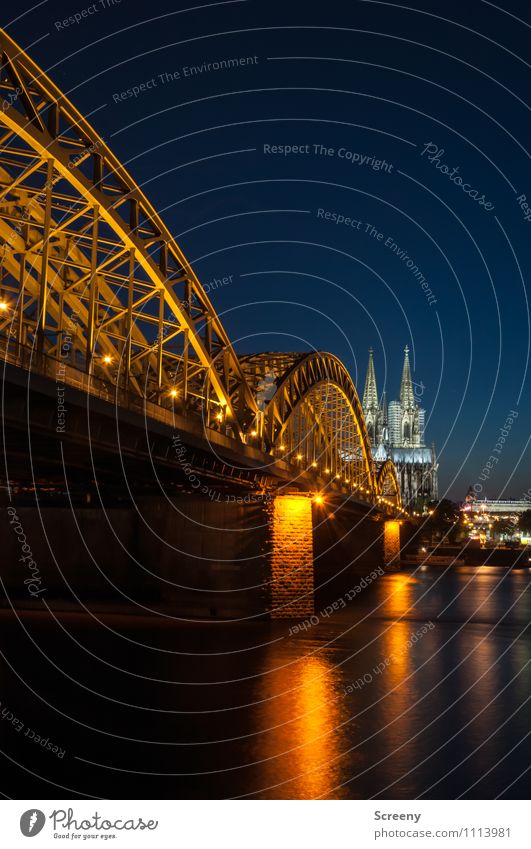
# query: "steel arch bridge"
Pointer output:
{"type": "Point", "coordinates": [90, 277]}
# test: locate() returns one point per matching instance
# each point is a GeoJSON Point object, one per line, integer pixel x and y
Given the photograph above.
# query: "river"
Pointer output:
{"type": "Point", "coordinates": [418, 688]}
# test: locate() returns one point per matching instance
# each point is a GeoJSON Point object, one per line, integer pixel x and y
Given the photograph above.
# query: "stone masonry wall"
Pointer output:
{"type": "Point", "coordinates": [291, 557]}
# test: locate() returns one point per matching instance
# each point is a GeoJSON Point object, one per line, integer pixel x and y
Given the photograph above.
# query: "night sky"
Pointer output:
{"type": "Point", "coordinates": [380, 82]}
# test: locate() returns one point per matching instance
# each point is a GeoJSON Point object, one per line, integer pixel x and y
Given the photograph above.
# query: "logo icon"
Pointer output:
{"type": "Point", "coordinates": [31, 822]}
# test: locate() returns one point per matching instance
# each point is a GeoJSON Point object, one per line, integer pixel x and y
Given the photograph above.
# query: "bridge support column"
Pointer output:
{"type": "Point", "coordinates": [229, 560]}
{"type": "Point", "coordinates": [391, 543]}
{"type": "Point", "coordinates": [291, 557]}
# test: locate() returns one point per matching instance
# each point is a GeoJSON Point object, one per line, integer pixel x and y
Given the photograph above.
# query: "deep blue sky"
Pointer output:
{"type": "Point", "coordinates": [378, 80]}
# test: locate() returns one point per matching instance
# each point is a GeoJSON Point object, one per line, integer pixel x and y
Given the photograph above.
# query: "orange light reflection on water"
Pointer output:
{"type": "Point", "coordinates": [396, 710]}
{"type": "Point", "coordinates": [302, 742]}
{"type": "Point", "coordinates": [398, 589]}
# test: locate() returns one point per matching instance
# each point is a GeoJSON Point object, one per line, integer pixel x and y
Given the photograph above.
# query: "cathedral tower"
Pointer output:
{"type": "Point", "coordinates": [371, 406]}
{"type": "Point", "coordinates": [397, 432]}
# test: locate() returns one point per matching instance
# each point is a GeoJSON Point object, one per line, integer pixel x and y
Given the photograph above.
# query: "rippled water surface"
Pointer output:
{"type": "Point", "coordinates": [418, 688]}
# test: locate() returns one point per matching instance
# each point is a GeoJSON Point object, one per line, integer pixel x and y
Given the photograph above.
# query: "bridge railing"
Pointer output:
{"type": "Point", "coordinates": [58, 369]}
{"type": "Point", "coordinates": [61, 371]}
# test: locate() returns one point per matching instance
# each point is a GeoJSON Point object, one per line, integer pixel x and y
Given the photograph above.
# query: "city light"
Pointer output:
{"type": "Point", "coordinates": [186, 510]}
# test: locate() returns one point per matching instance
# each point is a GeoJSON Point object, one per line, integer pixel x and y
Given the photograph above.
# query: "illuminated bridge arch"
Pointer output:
{"type": "Point", "coordinates": [311, 416]}
{"type": "Point", "coordinates": [89, 272]}
{"type": "Point", "coordinates": [388, 487]}
{"type": "Point", "coordinates": [92, 280]}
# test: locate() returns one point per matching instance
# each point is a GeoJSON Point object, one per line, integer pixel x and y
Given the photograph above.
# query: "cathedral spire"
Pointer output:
{"type": "Point", "coordinates": [370, 394]}
{"type": "Point", "coordinates": [383, 407]}
{"type": "Point", "coordinates": [407, 398]}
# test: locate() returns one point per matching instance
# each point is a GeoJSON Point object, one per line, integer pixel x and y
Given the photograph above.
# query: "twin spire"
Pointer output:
{"type": "Point", "coordinates": [407, 396]}
{"type": "Point", "coordinates": [370, 393]}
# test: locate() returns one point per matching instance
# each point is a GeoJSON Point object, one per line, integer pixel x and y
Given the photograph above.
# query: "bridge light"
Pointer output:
{"type": "Point", "coordinates": [3, 305]}
{"type": "Point", "coordinates": [107, 359]}
{"type": "Point", "coordinates": [338, 476]}
{"type": "Point", "coordinates": [314, 465]}
{"type": "Point", "coordinates": [219, 417]}
{"type": "Point", "coordinates": [282, 447]}
{"type": "Point", "coordinates": [318, 499]}
{"type": "Point", "coordinates": [254, 433]}
{"type": "Point", "coordinates": [299, 456]}
{"type": "Point", "coordinates": [327, 471]}
{"type": "Point", "coordinates": [173, 393]}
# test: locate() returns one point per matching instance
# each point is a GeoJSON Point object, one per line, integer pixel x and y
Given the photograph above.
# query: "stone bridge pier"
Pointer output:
{"type": "Point", "coordinates": [261, 556]}
{"type": "Point", "coordinates": [228, 556]}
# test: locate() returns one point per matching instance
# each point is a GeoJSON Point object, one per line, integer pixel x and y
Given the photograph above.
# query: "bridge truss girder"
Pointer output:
{"type": "Point", "coordinates": [315, 419]}
{"type": "Point", "coordinates": [388, 486]}
{"type": "Point", "coordinates": [89, 272]}
{"type": "Point", "coordinates": [91, 278]}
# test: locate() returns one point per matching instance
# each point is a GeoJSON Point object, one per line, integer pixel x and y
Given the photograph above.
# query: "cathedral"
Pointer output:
{"type": "Point", "coordinates": [396, 431]}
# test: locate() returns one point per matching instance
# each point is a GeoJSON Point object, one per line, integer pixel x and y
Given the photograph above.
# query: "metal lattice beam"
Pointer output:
{"type": "Point", "coordinates": [315, 418]}
{"type": "Point", "coordinates": [84, 256]}
{"type": "Point", "coordinates": [91, 277]}
{"type": "Point", "coordinates": [388, 487]}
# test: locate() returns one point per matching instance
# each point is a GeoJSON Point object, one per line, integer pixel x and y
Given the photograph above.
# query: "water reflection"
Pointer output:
{"type": "Point", "coordinates": [399, 693]}
{"type": "Point", "coordinates": [445, 716]}
{"type": "Point", "coordinates": [302, 710]}
{"type": "Point", "coordinates": [398, 593]}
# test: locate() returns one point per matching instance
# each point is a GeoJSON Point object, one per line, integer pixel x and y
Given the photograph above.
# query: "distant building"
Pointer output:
{"type": "Point", "coordinates": [397, 432]}
{"type": "Point", "coordinates": [488, 519]}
